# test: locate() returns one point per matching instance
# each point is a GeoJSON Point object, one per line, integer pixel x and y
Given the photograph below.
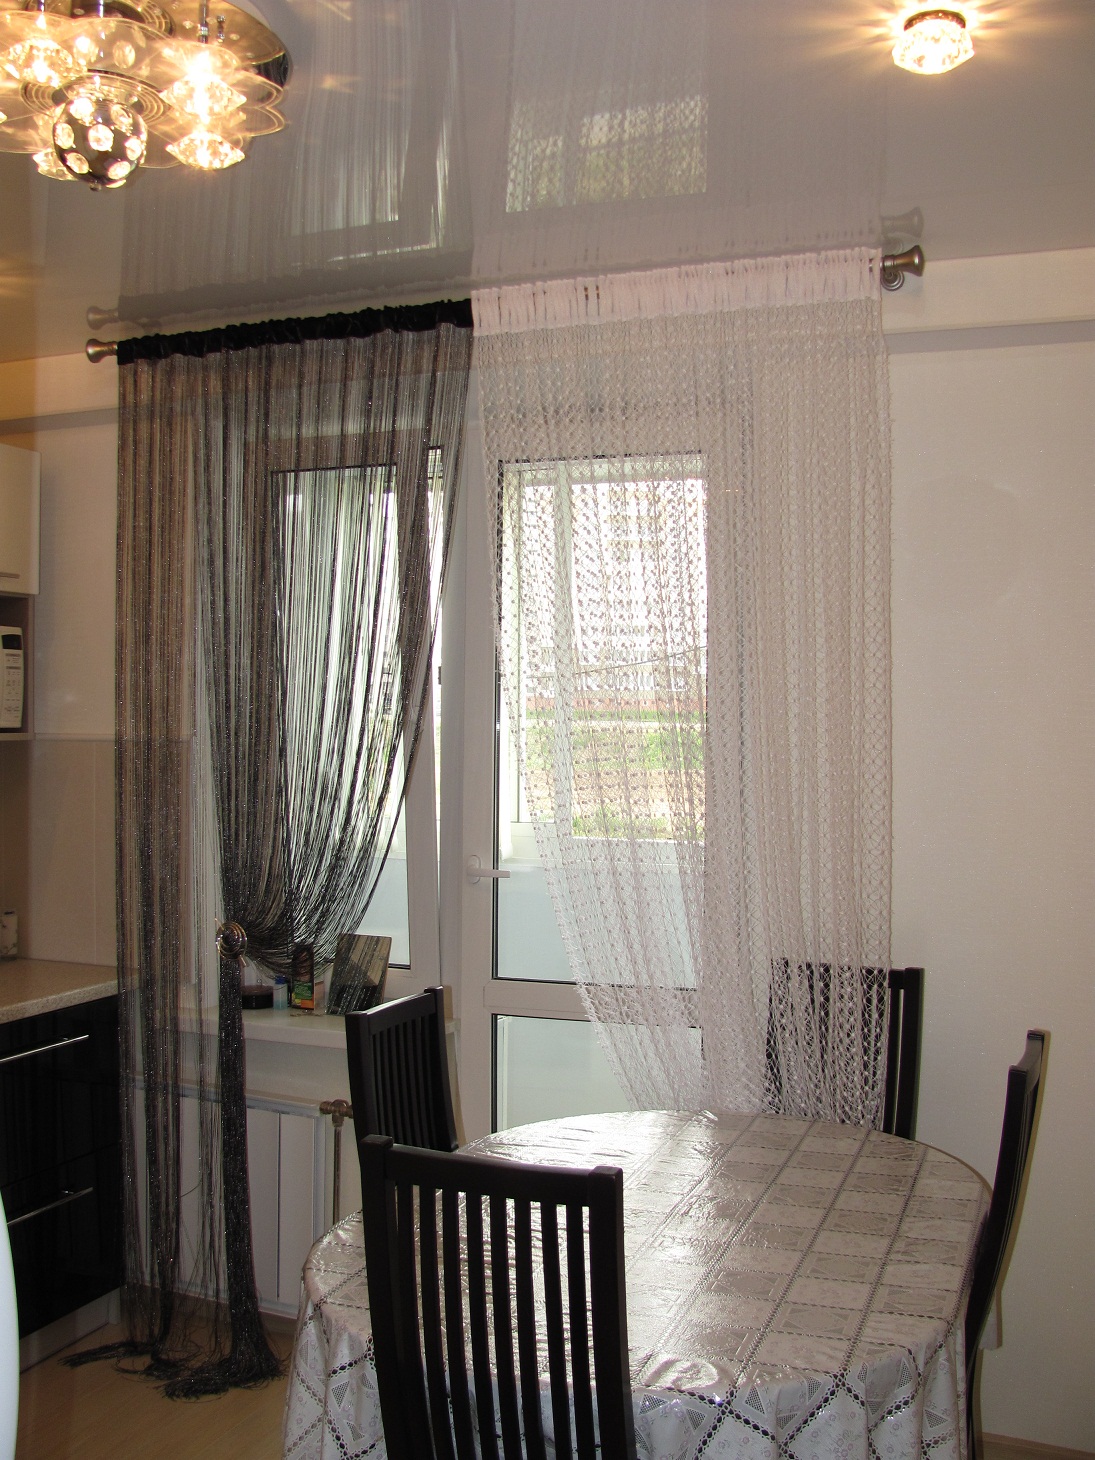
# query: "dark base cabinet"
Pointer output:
{"type": "Point", "coordinates": [60, 1158]}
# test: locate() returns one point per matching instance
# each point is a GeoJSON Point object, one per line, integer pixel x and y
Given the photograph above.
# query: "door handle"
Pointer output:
{"type": "Point", "coordinates": [25, 1054]}
{"type": "Point", "coordinates": [476, 871]}
{"type": "Point", "coordinates": [62, 1201]}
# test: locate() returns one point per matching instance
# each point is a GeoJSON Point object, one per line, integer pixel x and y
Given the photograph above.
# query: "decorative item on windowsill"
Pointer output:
{"type": "Point", "coordinates": [358, 973]}
{"type": "Point", "coordinates": [96, 89]}
{"type": "Point", "coordinates": [303, 978]}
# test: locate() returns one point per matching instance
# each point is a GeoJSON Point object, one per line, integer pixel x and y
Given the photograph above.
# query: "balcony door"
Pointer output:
{"type": "Point", "coordinates": [526, 1049]}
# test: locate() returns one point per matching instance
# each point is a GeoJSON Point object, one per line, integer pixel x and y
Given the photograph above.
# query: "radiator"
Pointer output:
{"type": "Point", "coordinates": [287, 1150]}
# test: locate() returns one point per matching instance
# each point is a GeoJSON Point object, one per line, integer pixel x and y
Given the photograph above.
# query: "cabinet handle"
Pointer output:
{"type": "Point", "coordinates": [8, 575]}
{"type": "Point", "coordinates": [25, 1054]}
{"type": "Point", "coordinates": [62, 1201]}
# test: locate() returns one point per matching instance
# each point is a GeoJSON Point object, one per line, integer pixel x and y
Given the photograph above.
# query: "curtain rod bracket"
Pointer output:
{"type": "Point", "coordinates": [97, 350]}
{"type": "Point", "coordinates": [896, 265]}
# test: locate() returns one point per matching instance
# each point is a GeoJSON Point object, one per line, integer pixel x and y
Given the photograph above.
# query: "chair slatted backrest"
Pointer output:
{"type": "Point", "coordinates": [496, 1289]}
{"type": "Point", "coordinates": [1016, 1147]}
{"type": "Point", "coordinates": [904, 1020]}
{"type": "Point", "coordinates": [399, 1071]}
{"type": "Point", "coordinates": [900, 991]}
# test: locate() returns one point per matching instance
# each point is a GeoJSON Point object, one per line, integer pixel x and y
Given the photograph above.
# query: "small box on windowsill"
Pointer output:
{"type": "Point", "coordinates": [305, 990]}
{"type": "Point", "coordinates": [317, 1001]}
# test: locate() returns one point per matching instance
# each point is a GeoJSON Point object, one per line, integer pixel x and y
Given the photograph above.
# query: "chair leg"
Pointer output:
{"type": "Point", "coordinates": [973, 1446]}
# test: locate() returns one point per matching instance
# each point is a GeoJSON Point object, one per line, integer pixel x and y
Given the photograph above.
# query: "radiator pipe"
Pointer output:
{"type": "Point", "coordinates": [338, 1110]}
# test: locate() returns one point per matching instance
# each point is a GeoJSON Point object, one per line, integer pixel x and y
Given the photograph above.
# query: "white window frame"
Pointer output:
{"type": "Point", "coordinates": [468, 741]}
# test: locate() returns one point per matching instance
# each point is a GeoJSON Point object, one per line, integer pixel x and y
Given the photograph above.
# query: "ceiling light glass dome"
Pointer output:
{"type": "Point", "coordinates": [933, 41]}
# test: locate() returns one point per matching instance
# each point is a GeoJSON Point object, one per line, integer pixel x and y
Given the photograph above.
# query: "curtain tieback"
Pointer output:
{"type": "Point", "coordinates": [231, 941]}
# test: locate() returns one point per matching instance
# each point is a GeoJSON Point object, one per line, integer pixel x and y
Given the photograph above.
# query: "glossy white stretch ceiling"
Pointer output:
{"type": "Point", "coordinates": [433, 144]}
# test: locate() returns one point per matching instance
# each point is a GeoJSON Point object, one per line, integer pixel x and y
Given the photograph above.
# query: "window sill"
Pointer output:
{"type": "Point", "coordinates": [300, 1028]}
{"type": "Point", "coordinates": [294, 1026]}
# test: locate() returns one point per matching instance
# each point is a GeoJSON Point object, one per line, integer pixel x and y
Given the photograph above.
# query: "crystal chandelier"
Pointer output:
{"type": "Point", "coordinates": [95, 89]}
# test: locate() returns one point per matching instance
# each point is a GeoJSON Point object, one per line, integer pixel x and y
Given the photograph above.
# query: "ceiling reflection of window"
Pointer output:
{"type": "Point", "coordinates": [375, 139]}
{"type": "Point", "coordinates": [649, 150]}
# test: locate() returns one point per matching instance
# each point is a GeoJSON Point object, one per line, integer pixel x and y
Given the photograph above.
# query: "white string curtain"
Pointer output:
{"type": "Point", "coordinates": [690, 477]}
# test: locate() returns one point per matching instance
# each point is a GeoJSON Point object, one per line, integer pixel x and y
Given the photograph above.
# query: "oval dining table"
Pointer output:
{"type": "Point", "coordinates": [795, 1289]}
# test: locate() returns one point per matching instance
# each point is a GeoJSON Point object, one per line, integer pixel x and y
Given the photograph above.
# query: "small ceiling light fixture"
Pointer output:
{"type": "Point", "coordinates": [95, 89]}
{"type": "Point", "coordinates": [933, 41]}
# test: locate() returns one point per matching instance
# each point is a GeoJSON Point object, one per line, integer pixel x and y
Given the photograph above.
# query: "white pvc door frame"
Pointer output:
{"type": "Point", "coordinates": [468, 741]}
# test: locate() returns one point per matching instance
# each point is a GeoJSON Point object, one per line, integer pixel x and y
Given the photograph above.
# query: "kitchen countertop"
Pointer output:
{"type": "Point", "coordinates": [36, 986]}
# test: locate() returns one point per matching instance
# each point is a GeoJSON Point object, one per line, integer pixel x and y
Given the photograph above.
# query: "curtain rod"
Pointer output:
{"type": "Point", "coordinates": [365, 322]}
{"type": "Point", "coordinates": [358, 325]}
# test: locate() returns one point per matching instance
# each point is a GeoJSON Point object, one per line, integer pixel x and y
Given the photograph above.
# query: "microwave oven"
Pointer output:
{"type": "Point", "coordinates": [11, 678]}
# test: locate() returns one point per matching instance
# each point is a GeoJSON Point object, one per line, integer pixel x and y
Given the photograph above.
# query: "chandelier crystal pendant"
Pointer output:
{"type": "Point", "coordinates": [96, 89]}
{"type": "Point", "coordinates": [933, 41]}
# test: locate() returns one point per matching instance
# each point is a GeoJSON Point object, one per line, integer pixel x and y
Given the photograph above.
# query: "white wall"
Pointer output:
{"type": "Point", "coordinates": [994, 807]}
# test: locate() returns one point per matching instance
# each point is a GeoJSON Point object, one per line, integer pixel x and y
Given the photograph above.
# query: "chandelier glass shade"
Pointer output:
{"type": "Point", "coordinates": [933, 41]}
{"type": "Point", "coordinates": [98, 133]}
{"type": "Point", "coordinates": [95, 89]}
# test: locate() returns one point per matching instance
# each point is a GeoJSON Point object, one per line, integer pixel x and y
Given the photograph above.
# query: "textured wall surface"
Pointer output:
{"type": "Point", "coordinates": [994, 824]}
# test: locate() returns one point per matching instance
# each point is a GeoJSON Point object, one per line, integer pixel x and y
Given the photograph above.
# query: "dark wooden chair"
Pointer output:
{"type": "Point", "coordinates": [902, 990]}
{"type": "Point", "coordinates": [998, 1233]}
{"type": "Point", "coordinates": [513, 1311]}
{"type": "Point", "coordinates": [399, 1072]}
{"type": "Point", "coordinates": [904, 1019]}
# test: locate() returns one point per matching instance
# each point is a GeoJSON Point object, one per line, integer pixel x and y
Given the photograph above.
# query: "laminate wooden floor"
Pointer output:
{"type": "Point", "coordinates": [97, 1413]}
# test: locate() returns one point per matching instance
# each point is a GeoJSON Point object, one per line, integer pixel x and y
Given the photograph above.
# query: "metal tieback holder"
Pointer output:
{"type": "Point", "coordinates": [231, 942]}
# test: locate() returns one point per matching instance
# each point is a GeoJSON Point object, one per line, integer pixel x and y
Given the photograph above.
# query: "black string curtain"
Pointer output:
{"type": "Point", "coordinates": [285, 502]}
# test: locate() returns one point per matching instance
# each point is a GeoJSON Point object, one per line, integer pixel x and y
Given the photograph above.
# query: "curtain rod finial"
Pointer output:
{"type": "Point", "coordinates": [896, 265]}
{"type": "Point", "coordinates": [97, 350]}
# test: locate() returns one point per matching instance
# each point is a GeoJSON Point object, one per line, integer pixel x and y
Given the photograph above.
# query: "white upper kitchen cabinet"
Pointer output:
{"type": "Point", "coordinates": [19, 517]}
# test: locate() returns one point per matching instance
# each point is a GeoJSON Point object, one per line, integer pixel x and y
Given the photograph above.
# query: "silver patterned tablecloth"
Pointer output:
{"type": "Point", "coordinates": [794, 1289]}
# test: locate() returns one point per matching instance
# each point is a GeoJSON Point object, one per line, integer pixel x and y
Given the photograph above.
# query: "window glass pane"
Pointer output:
{"type": "Point", "coordinates": [333, 497]}
{"type": "Point", "coordinates": [387, 912]}
{"type": "Point", "coordinates": [546, 1068]}
{"type": "Point", "coordinates": [609, 519]}
{"type": "Point", "coordinates": [529, 942]}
